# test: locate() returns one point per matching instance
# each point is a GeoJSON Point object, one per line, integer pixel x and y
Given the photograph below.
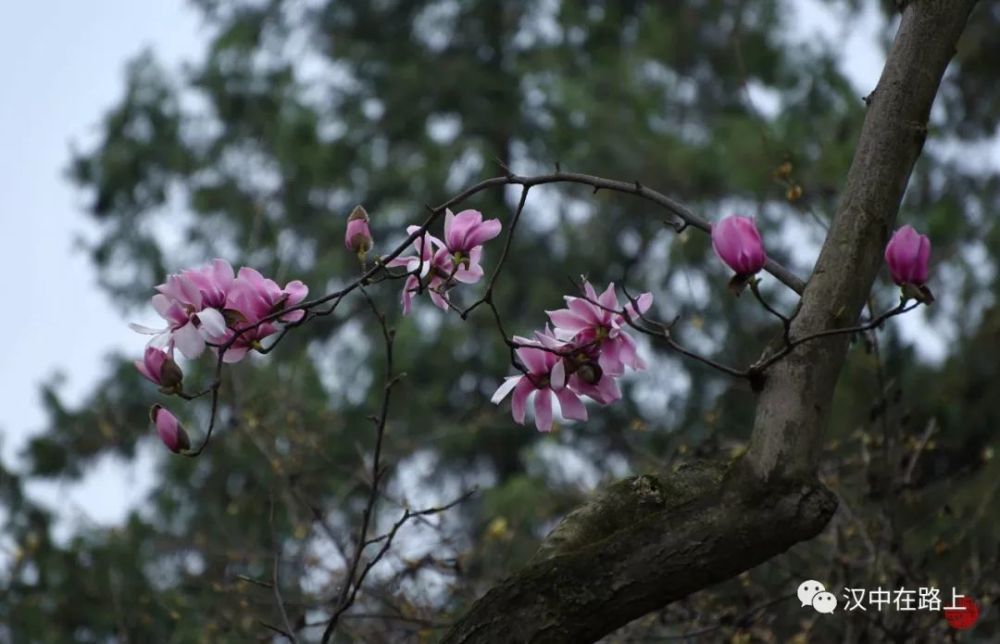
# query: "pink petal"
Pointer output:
{"type": "Point", "coordinates": [533, 359]}
{"type": "Point", "coordinates": [409, 289]}
{"type": "Point", "coordinates": [401, 261]}
{"type": "Point", "coordinates": [252, 278]}
{"type": "Point", "coordinates": [235, 353]}
{"type": "Point", "coordinates": [568, 320]}
{"type": "Point", "coordinates": [440, 300]}
{"type": "Point", "coordinates": [296, 292]}
{"type": "Point", "coordinates": [608, 299]}
{"type": "Point", "coordinates": [469, 275]}
{"type": "Point", "coordinates": [222, 271]}
{"type": "Point", "coordinates": [610, 360]}
{"type": "Point", "coordinates": [923, 260]}
{"type": "Point", "coordinates": [608, 390]}
{"type": "Point", "coordinates": [141, 366]}
{"type": "Point", "coordinates": [586, 311]}
{"type": "Point", "coordinates": [644, 301]}
{"type": "Point", "coordinates": [557, 377]}
{"type": "Point", "coordinates": [571, 406]}
{"type": "Point", "coordinates": [519, 401]}
{"type": "Point", "coordinates": [543, 410]}
{"type": "Point", "coordinates": [459, 228]}
{"type": "Point", "coordinates": [547, 339]}
{"type": "Point", "coordinates": [164, 306]}
{"type": "Point", "coordinates": [483, 233]}
{"type": "Point", "coordinates": [628, 354]}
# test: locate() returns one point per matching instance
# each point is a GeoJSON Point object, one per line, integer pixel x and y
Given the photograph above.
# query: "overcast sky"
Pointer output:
{"type": "Point", "coordinates": [61, 67]}
{"type": "Point", "coordinates": [61, 64]}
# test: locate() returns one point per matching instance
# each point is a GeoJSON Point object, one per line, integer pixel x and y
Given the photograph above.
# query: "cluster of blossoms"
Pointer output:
{"type": "Point", "coordinates": [439, 265]}
{"type": "Point", "coordinates": [583, 353]}
{"type": "Point", "coordinates": [208, 306]}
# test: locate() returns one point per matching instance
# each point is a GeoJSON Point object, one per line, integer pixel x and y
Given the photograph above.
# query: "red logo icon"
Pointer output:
{"type": "Point", "coordinates": [964, 616]}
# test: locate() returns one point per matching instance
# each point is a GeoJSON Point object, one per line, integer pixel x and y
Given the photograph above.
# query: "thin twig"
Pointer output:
{"type": "Point", "coordinates": [276, 583]}
{"type": "Point", "coordinates": [351, 584]}
{"type": "Point", "coordinates": [761, 365]}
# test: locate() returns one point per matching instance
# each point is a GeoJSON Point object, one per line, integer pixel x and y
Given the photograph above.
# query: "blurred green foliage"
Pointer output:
{"type": "Point", "coordinates": [297, 111]}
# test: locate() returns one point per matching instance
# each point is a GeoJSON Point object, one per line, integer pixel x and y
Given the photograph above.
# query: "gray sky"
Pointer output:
{"type": "Point", "coordinates": [61, 65]}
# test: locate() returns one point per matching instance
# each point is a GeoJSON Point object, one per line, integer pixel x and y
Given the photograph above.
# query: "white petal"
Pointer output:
{"type": "Point", "coordinates": [145, 330]}
{"type": "Point", "coordinates": [160, 341]}
{"type": "Point", "coordinates": [189, 342]}
{"type": "Point", "coordinates": [213, 325]}
{"type": "Point", "coordinates": [557, 377]}
{"type": "Point", "coordinates": [509, 383]}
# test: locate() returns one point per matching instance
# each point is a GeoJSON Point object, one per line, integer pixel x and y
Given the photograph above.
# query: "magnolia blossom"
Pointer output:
{"type": "Point", "coordinates": [169, 429]}
{"type": "Point", "coordinates": [255, 296]}
{"type": "Point", "coordinates": [584, 355]}
{"type": "Point", "coordinates": [190, 302]}
{"type": "Point", "coordinates": [737, 243]}
{"type": "Point", "coordinates": [208, 305]}
{"type": "Point", "coordinates": [359, 237]}
{"type": "Point", "coordinates": [436, 267]}
{"type": "Point", "coordinates": [599, 320]}
{"type": "Point", "coordinates": [213, 282]}
{"type": "Point", "coordinates": [908, 255]}
{"type": "Point", "coordinates": [158, 367]}
{"type": "Point", "coordinates": [252, 298]}
{"type": "Point", "coordinates": [467, 230]}
{"type": "Point", "coordinates": [545, 377]}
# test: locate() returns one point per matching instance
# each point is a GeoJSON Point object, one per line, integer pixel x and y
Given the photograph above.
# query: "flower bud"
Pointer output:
{"type": "Point", "coordinates": [590, 372]}
{"type": "Point", "coordinates": [737, 243]}
{"type": "Point", "coordinates": [908, 256]}
{"type": "Point", "coordinates": [169, 429]}
{"type": "Point", "coordinates": [359, 237]}
{"type": "Point", "coordinates": [159, 367]}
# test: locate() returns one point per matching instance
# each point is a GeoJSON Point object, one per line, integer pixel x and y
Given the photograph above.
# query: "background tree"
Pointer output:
{"type": "Point", "coordinates": [301, 110]}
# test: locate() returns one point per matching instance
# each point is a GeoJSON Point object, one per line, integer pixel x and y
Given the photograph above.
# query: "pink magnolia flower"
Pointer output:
{"type": "Point", "coordinates": [581, 361]}
{"type": "Point", "coordinates": [467, 230]}
{"type": "Point", "coordinates": [908, 255]}
{"type": "Point", "coordinates": [169, 429]}
{"type": "Point", "coordinates": [255, 297]}
{"type": "Point", "coordinates": [189, 302]}
{"type": "Point", "coordinates": [252, 298]}
{"type": "Point", "coordinates": [737, 243]}
{"type": "Point", "coordinates": [213, 282]}
{"type": "Point", "coordinates": [359, 237]}
{"type": "Point", "coordinates": [546, 378]}
{"type": "Point", "coordinates": [598, 322]}
{"type": "Point", "coordinates": [247, 340]}
{"type": "Point", "coordinates": [158, 367]}
{"type": "Point", "coordinates": [206, 305]}
{"type": "Point", "coordinates": [434, 269]}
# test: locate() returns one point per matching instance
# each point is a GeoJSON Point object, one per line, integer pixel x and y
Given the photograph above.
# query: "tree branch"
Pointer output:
{"type": "Point", "coordinates": [644, 543]}
{"type": "Point", "coordinates": [796, 398]}
{"type": "Point", "coordinates": [611, 562]}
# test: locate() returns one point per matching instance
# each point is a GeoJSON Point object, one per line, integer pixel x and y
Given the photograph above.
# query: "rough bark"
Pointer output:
{"type": "Point", "coordinates": [796, 398]}
{"type": "Point", "coordinates": [693, 529]}
{"type": "Point", "coordinates": [649, 541]}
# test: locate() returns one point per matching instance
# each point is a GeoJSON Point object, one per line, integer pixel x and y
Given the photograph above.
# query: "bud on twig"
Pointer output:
{"type": "Point", "coordinates": [359, 236]}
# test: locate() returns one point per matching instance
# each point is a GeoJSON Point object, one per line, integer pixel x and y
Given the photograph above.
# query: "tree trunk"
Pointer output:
{"type": "Point", "coordinates": [649, 541]}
